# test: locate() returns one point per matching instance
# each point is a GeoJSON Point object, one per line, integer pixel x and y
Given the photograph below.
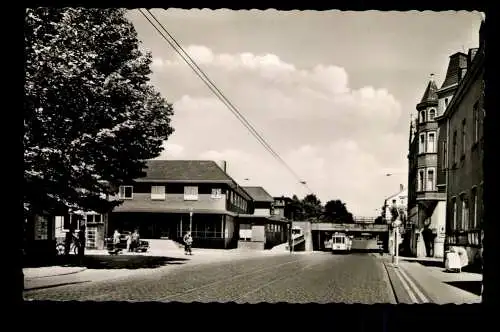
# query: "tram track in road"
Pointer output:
{"type": "Point", "coordinates": [269, 283]}
{"type": "Point", "coordinates": [256, 272]}
{"type": "Point", "coordinates": [151, 282]}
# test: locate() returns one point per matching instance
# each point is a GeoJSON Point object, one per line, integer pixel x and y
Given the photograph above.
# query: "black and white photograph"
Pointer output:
{"type": "Point", "coordinates": [218, 155]}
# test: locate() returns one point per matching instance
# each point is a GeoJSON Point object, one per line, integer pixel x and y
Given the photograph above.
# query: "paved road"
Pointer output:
{"type": "Point", "coordinates": [300, 278]}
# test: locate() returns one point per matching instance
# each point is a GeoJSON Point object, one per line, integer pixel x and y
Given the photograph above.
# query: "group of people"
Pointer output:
{"type": "Point", "coordinates": [133, 240]}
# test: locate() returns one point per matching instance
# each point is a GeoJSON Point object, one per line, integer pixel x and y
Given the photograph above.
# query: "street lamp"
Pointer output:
{"type": "Point", "coordinates": [190, 220]}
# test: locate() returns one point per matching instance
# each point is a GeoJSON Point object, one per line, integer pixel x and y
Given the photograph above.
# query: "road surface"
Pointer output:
{"type": "Point", "coordinates": [318, 277]}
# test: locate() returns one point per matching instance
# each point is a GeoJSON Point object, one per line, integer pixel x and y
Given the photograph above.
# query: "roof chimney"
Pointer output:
{"type": "Point", "coordinates": [401, 187]}
{"type": "Point", "coordinates": [223, 165]}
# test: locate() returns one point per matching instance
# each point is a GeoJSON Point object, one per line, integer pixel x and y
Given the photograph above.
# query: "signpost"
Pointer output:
{"type": "Point", "coordinates": [395, 226]}
{"type": "Point", "coordinates": [190, 220]}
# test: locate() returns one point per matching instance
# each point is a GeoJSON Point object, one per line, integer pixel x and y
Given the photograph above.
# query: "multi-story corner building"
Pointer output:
{"type": "Point", "coordinates": [460, 167]}
{"type": "Point", "coordinates": [426, 206]}
{"type": "Point", "coordinates": [176, 196]}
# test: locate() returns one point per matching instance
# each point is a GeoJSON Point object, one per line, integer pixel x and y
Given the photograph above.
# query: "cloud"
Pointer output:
{"type": "Point", "coordinates": [171, 151]}
{"type": "Point", "coordinates": [338, 139]}
{"type": "Point", "coordinates": [336, 170]}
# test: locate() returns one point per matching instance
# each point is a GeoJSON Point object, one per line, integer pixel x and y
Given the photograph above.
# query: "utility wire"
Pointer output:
{"type": "Point", "coordinates": [211, 85]}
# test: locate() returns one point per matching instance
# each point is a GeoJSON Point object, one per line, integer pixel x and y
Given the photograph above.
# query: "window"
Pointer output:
{"type": "Point", "coordinates": [94, 218]}
{"type": "Point", "coordinates": [463, 137]}
{"type": "Point", "coordinates": [158, 192]}
{"type": "Point", "coordinates": [431, 140]}
{"type": "Point", "coordinates": [422, 117]}
{"type": "Point", "coordinates": [454, 153]}
{"type": "Point", "coordinates": [474, 208]}
{"type": "Point", "coordinates": [430, 180]}
{"type": "Point", "coordinates": [465, 213]}
{"type": "Point", "coordinates": [420, 180]}
{"type": "Point", "coordinates": [446, 102]}
{"type": "Point", "coordinates": [191, 193]}
{"type": "Point", "coordinates": [421, 147]}
{"type": "Point", "coordinates": [216, 193]}
{"type": "Point", "coordinates": [454, 212]}
{"type": "Point", "coordinates": [445, 157]}
{"type": "Point", "coordinates": [476, 122]}
{"type": "Point", "coordinates": [126, 192]}
{"type": "Point", "coordinates": [432, 115]}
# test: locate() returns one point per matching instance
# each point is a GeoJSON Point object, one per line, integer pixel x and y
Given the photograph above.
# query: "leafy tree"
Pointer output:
{"type": "Point", "coordinates": [336, 211]}
{"type": "Point", "coordinates": [91, 117]}
{"type": "Point", "coordinates": [312, 207]}
{"type": "Point", "coordinates": [296, 209]}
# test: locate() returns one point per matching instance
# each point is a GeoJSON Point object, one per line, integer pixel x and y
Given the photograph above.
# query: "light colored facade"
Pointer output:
{"type": "Point", "coordinates": [461, 157]}
{"type": "Point", "coordinates": [400, 202]}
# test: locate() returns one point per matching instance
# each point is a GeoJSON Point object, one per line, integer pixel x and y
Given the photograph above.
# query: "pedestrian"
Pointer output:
{"type": "Point", "coordinates": [188, 242]}
{"type": "Point", "coordinates": [82, 240]}
{"type": "Point", "coordinates": [129, 242]}
{"type": "Point", "coordinates": [135, 239]}
{"type": "Point", "coordinates": [116, 240]}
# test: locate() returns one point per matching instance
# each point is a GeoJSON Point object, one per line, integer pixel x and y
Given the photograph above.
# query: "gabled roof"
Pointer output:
{"type": "Point", "coordinates": [458, 61]}
{"type": "Point", "coordinates": [184, 170]}
{"type": "Point", "coordinates": [259, 194]}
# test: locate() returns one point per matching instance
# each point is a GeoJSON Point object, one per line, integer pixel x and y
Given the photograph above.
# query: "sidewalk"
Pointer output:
{"type": "Point", "coordinates": [424, 280]}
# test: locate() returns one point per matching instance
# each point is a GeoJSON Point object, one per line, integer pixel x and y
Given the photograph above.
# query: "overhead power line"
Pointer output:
{"type": "Point", "coordinates": [211, 85]}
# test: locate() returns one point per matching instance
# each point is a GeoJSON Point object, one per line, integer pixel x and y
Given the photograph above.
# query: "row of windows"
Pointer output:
{"type": "Point", "coordinates": [455, 154]}
{"type": "Point", "coordinates": [426, 180]}
{"type": "Point", "coordinates": [469, 213]}
{"type": "Point", "coordinates": [427, 142]}
{"type": "Point", "coordinates": [190, 194]}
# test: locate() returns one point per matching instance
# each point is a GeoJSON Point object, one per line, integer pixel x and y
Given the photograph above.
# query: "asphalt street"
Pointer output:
{"type": "Point", "coordinates": [299, 278]}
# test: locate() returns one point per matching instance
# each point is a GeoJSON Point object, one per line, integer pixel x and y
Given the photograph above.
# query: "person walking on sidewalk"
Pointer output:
{"type": "Point", "coordinates": [129, 242]}
{"type": "Point", "coordinates": [188, 242]}
{"type": "Point", "coordinates": [116, 240]}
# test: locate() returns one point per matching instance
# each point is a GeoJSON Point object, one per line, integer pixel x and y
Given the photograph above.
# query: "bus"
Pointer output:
{"type": "Point", "coordinates": [341, 243]}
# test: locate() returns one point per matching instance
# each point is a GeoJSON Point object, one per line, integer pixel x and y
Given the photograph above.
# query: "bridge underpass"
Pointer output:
{"type": "Point", "coordinates": [365, 236]}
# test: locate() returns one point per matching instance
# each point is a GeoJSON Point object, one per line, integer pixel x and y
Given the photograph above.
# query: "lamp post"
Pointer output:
{"type": "Point", "coordinates": [190, 220]}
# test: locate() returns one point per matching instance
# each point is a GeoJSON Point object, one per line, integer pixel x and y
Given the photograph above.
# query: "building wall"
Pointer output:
{"type": "Point", "coordinates": [144, 202]}
{"type": "Point", "coordinates": [262, 212]}
{"type": "Point", "coordinates": [465, 180]}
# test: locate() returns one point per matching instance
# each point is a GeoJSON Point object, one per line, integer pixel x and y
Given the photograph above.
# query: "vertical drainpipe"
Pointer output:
{"type": "Point", "coordinates": [447, 170]}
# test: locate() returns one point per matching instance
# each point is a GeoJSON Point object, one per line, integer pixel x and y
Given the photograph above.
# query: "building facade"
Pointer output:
{"type": "Point", "coordinates": [177, 196]}
{"type": "Point", "coordinates": [426, 206]}
{"type": "Point", "coordinates": [461, 153]}
{"type": "Point", "coordinates": [264, 228]}
{"type": "Point", "coordinates": [398, 201]}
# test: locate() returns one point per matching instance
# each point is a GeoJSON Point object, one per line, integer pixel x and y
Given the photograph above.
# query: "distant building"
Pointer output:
{"type": "Point", "coordinates": [262, 229]}
{"type": "Point", "coordinates": [398, 201]}
{"type": "Point", "coordinates": [461, 118]}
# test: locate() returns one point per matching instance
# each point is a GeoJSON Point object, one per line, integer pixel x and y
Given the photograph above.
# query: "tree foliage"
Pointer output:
{"type": "Point", "coordinates": [336, 212]}
{"type": "Point", "coordinates": [312, 207]}
{"type": "Point", "coordinates": [91, 117]}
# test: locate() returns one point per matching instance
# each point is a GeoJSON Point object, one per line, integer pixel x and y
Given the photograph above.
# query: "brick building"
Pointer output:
{"type": "Point", "coordinates": [460, 174]}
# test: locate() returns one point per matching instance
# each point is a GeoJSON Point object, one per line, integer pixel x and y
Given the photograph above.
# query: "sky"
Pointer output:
{"type": "Point", "coordinates": [331, 92]}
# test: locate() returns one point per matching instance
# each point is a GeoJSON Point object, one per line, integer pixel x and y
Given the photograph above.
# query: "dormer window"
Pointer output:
{"type": "Point", "coordinates": [432, 114]}
{"type": "Point", "coordinates": [446, 102]}
{"type": "Point", "coordinates": [422, 116]}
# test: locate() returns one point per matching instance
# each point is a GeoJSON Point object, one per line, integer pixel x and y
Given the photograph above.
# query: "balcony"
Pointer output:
{"type": "Point", "coordinates": [430, 196]}
{"type": "Point", "coordinates": [428, 125]}
{"type": "Point", "coordinates": [427, 160]}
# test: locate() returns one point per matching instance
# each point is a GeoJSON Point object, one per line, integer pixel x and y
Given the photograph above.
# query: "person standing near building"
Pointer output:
{"type": "Point", "coordinates": [82, 240]}
{"type": "Point", "coordinates": [135, 239]}
{"type": "Point", "coordinates": [188, 242]}
{"type": "Point", "coordinates": [116, 240]}
{"type": "Point", "coordinates": [129, 242]}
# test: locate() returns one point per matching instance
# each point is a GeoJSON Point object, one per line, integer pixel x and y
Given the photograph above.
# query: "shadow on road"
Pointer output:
{"type": "Point", "coordinates": [111, 262]}
{"type": "Point", "coordinates": [473, 287]}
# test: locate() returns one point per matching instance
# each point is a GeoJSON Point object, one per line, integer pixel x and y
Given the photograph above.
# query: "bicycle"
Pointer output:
{"type": "Point", "coordinates": [73, 248]}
